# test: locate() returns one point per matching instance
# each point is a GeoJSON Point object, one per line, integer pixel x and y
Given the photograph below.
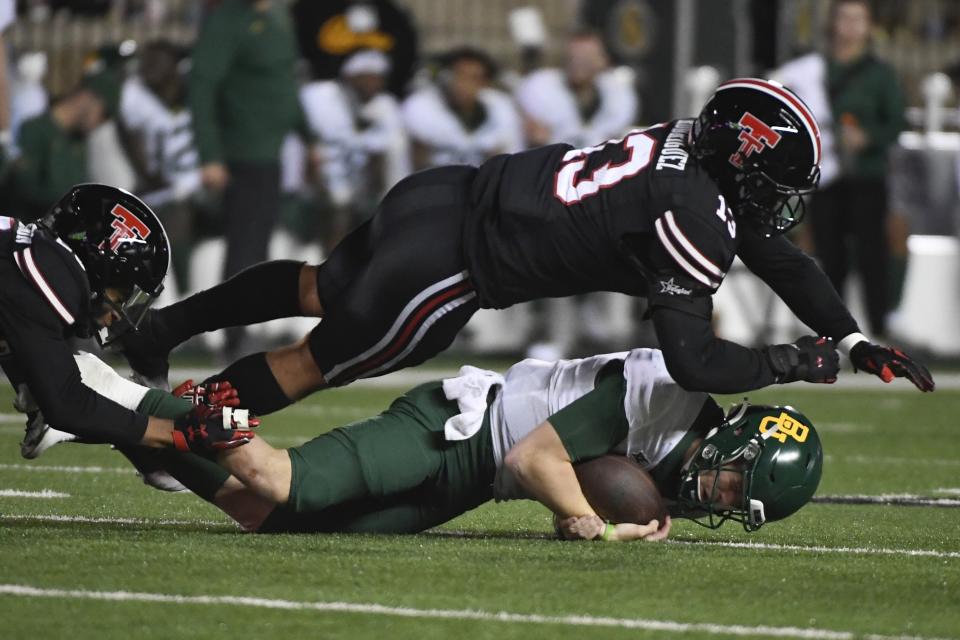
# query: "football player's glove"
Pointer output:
{"type": "Point", "coordinates": [810, 358]}
{"type": "Point", "coordinates": [205, 430]}
{"type": "Point", "coordinates": [888, 363]}
{"type": "Point", "coordinates": [212, 395]}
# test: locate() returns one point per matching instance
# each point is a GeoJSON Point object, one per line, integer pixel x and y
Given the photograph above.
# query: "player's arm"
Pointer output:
{"type": "Point", "coordinates": [686, 263]}
{"type": "Point", "coordinates": [45, 364]}
{"type": "Point", "coordinates": [805, 288]}
{"type": "Point", "coordinates": [187, 405]}
{"type": "Point", "coordinates": [541, 465]}
{"type": "Point", "coordinates": [542, 462]}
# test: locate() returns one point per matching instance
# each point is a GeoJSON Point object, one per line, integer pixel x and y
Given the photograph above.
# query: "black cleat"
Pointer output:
{"type": "Point", "coordinates": [145, 348]}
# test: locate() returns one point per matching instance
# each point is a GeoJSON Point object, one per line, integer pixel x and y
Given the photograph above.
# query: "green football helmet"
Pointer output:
{"type": "Point", "coordinates": [779, 454]}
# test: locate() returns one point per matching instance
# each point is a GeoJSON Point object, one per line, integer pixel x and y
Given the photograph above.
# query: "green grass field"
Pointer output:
{"type": "Point", "coordinates": [110, 558]}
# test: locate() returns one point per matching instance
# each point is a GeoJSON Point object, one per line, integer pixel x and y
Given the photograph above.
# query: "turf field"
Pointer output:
{"type": "Point", "coordinates": [87, 551]}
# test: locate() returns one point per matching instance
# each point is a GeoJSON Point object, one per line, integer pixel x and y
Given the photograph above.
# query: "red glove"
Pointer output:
{"type": "Point", "coordinates": [206, 430]}
{"type": "Point", "coordinates": [213, 395]}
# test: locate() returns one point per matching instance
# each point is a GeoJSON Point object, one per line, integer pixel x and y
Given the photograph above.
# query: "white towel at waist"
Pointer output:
{"type": "Point", "coordinates": [470, 389]}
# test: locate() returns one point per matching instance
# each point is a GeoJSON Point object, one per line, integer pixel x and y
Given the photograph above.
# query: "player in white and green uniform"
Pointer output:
{"type": "Point", "coordinates": [448, 446]}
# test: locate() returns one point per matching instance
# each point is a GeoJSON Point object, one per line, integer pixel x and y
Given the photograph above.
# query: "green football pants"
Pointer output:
{"type": "Point", "coordinates": [394, 473]}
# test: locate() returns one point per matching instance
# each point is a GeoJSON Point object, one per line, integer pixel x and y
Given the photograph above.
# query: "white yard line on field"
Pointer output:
{"type": "Point", "coordinates": [912, 553]}
{"type": "Point", "coordinates": [896, 499]}
{"type": "Point", "coordinates": [845, 427]}
{"type": "Point", "coordinates": [44, 493]}
{"type": "Point", "coordinates": [111, 520]}
{"type": "Point", "coordinates": [920, 461]}
{"type": "Point", "coordinates": [46, 468]}
{"type": "Point", "coordinates": [574, 620]}
{"type": "Point", "coordinates": [949, 491]}
{"type": "Point", "coordinates": [878, 551]}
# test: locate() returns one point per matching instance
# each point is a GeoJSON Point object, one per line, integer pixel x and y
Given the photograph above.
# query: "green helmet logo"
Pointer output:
{"type": "Point", "coordinates": [777, 456]}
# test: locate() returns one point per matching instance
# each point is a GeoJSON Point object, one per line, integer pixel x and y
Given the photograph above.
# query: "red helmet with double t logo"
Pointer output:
{"type": "Point", "coordinates": [119, 241]}
{"type": "Point", "coordinates": [761, 144]}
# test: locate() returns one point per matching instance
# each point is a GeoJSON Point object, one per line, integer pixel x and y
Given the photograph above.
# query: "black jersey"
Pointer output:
{"type": "Point", "coordinates": [43, 295]}
{"type": "Point", "coordinates": [638, 215]}
{"type": "Point", "coordinates": [634, 215]}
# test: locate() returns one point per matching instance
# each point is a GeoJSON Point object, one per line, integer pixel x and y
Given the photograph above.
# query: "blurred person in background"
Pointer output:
{"type": "Point", "coordinates": [849, 215]}
{"type": "Point", "coordinates": [461, 119]}
{"type": "Point", "coordinates": [364, 147]}
{"type": "Point", "coordinates": [106, 153]}
{"type": "Point", "coordinates": [28, 96]}
{"type": "Point", "coordinates": [243, 99]}
{"type": "Point", "coordinates": [53, 146]}
{"type": "Point", "coordinates": [581, 104]}
{"type": "Point", "coordinates": [8, 14]}
{"type": "Point", "coordinates": [157, 123]}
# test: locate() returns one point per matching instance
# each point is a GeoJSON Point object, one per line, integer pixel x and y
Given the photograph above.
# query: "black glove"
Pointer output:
{"type": "Point", "coordinates": [810, 358]}
{"type": "Point", "coordinates": [208, 431]}
{"type": "Point", "coordinates": [888, 363]}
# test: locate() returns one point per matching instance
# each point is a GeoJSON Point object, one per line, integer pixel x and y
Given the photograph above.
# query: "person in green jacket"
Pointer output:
{"type": "Point", "coordinates": [243, 94]}
{"type": "Point", "coordinates": [53, 145]}
{"type": "Point", "coordinates": [868, 114]}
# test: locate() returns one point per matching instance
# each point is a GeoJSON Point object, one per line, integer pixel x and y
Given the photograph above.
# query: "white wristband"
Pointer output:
{"type": "Point", "coordinates": [845, 345]}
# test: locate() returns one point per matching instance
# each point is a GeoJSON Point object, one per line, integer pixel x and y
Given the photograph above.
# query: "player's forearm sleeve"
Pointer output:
{"type": "Point", "coordinates": [700, 361]}
{"type": "Point", "coordinates": [161, 404]}
{"type": "Point", "coordinates": [101, 377]}
{"type": "Point", "coordinates": [593, 424]}
{"type": "Point", "coordinates": [800, 283]}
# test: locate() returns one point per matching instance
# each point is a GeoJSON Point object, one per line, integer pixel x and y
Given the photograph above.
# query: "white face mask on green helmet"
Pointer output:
{"type": "Point", "coordinates": [777, 451]}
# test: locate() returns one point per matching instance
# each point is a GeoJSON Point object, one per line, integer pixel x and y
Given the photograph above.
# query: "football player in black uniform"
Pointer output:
{"type": "Point", "coordinates": [100, 255]}
{"type": "Point", "coordinates": [660, 213]}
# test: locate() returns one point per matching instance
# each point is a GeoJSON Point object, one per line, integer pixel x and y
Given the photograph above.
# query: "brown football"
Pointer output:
{"type": "Point", "coordinates": [620, 490]}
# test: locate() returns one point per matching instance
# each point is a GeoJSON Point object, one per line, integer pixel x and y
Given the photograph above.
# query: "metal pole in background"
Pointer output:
{"type": "Point", "coordinates": [743, 40]}
{"type": "Point", "coordinates": [684, 38]}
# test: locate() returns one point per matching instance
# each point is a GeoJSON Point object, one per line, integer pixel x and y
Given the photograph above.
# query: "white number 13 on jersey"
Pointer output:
{"type": "Point", "coordinates": [570, 190]}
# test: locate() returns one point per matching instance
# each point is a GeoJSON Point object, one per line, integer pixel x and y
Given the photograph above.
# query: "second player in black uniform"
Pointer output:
{"type": "Point", "coordinates": [98, 256]}
{"type": "Point", "coordinates": [660, 213]}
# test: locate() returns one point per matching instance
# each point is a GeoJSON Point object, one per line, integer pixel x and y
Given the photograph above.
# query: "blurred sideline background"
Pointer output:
{"type": "Point", "coordinates": [387, 87]}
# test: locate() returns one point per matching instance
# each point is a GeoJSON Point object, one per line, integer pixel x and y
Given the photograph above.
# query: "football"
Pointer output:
{"type": "Point", "coordinates": [620, 490]}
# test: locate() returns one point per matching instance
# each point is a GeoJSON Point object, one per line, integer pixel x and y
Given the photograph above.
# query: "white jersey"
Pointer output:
{"type": "Point", "coordinates": [351, 133]}
{"type": "Point", "coordinates": [8, 13]}
{"type": "Point", "coordinates": [659, 412]}
{"type": "Point", "coordinates": [545, 97]}
{"type": "Point", "coordinates": [167, 136]}
{"type": "Point", "coordinates": [432, 123]}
